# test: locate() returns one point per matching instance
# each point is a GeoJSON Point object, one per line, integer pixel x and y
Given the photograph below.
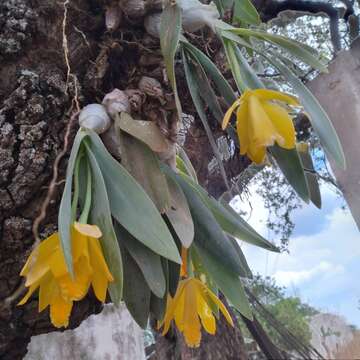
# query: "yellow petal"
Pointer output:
{"type": "Point", "coordinates": [77, 288]}
{"type": "Point", "coordinates": [261, 130]}
{"type": "Point", "coordinates": [48, 289]}
{"type": "Point", "coordinates": [265, 94]}
{"type": "Point", "coordinates": [88, 230]}
{"type": "Point", "coordinates": [171, 306]}
{"type": "Point", "coordinates": [179, 312]}
{"type": "Point", "coordinates": [95, 246]}
{"type": "Point", "coordinates": [38, 262]}
{"type": "Point", "coordinates": [256, 153]}
{"type": "Point", "coordinates": [207, 318]}
{"type": "Point", "coordinates": [192, 328]}
{"type": "Point", "coordinates": [168, 316]}
{"type": "Point", "coordinates": [242, 127]}
{"type": "Point", "coordinates": [222, 307]}
{"type": "Point", "coordinates": [60, 310]}
{"type": "Point", "coordinates": [79, 243]}
{"type": "Point", "coordinates": [38, 270]}
{"type": "Point", "coordinates": [229, 113]}
{"type": "Point", "coordinates": [32, 288]}
{"type": "Point", "coordinates": [282, 123]}
{"type": "Point", "coordinates": [57, 264]}
{"type": "Point", "coordinates": [101, 274]}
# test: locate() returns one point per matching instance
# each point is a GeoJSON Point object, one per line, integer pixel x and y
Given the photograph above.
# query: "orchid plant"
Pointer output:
{"type": "Point", "coordinates": [154, 238]}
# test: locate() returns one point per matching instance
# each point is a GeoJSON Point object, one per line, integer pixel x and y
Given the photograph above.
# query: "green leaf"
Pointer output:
{"type": "Point", "coordinates": [230, 221]}
{"type": "Point", "coordinates": [158, 305]}
{"type": "Point", "coordinates": [100, 215]}
{"type": "Point", "coordinates": [147, 260]}
{"type": "Point", "coordinates": [199, 105]}
{"type": "Point", "coordinates": [174, 277]}
{"type": "Point", "coordinates": [205, 90]}
{"type": "Point", "coordinates": [131, 206]}
{"type": "Point", "coordinates": [136, 291]}
{"type": "Point", "coordinates": [315, 195]}
{"type": "Point", "coordinates": [290, 164]}
{"type": "Point", "coordinates": [179, 214]}
{"type": "Point", "coordinates": [212, 71]}
{"type": "Point", "coordinates": [246, 12]}
{"type": "Point", "coordinates": [230, 49]}
{"type": "Point", "coordinates": [208, 233]}
{"type": "Point", "coordinates": [246, 270]}
{"type": "Point", "coordinates": [228, 282]}
{"type": "Point", "coordinates": [170, 29]}
{"type": "Point", "coordinates": [295, 48]}
{"type": "Point", "coordinates": [64, 219]}
{"type": "Point", "coordinates": [183, 160]}
{"type": "Point", "coordinates": [143, 165]}
{"type": "Point", "coordinates": [146, 131]}
{"type": "Point", "coordinates": [247, 73]}
{"type": "Point", "coordinates": [318, 117]}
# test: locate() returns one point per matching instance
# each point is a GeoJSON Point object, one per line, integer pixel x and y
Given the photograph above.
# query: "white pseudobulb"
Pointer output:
{"type": "Point", "coordinates": [195, 16]}
{"type": "Point", "coordinates": [94, 117]}
{"type": "Point", "coordinates": [116, 102]}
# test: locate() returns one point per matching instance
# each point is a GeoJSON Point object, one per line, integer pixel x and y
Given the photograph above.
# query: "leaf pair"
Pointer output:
{"type": "Point", "coordinates": [100, 214]}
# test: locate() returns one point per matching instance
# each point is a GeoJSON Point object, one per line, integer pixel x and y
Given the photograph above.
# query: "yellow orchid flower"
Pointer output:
{"type": "Point", "coordinates": [46, 269]}
{"type": "Point", "coordinates": [190, 302]}
{"type": "Point", "coordinates": [261, 122]}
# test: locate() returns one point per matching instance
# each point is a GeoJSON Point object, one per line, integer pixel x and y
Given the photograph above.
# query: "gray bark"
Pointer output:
{"type": "Point", "coordinates": [339, 93]}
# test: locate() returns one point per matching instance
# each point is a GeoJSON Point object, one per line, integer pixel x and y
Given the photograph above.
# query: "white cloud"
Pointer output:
{"type": "Point", "coordinates": [323, 261]}
{"type": "Point", "coordinates": [295, 278]}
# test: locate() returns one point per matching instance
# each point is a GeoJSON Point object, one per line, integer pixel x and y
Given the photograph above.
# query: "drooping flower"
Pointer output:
{"type": "Point", "coordinates": [46, 269]}
{"type": "Point", "coordinates": [192, 301]}
{"type": "Point", "coordinates": [261, 121]}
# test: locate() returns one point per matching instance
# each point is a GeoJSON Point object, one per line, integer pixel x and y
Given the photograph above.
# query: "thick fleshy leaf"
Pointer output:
{"type": "Point", "coordinates": [230, 51]}
{"type": "Point", "coordinates": [100, 215]}
{"type": "Point", "coordinates": [64, 218]}
{"type": "Point", "coordinates": [200, 108]}
{"type": "Point", "coordinates": [212, 71]}
{"type": "Point", "coordinates": [146, 131]}
{"type": "Point", "coordinates": [290, 164]}
{"type": "Point", "coordinates": [131, 206]}
{"type": "Point", "coordinates": [315, 195]}
{"type": "Point", "coordinates": [230, 221]}
{"type": "Point", "coordinates": [299, 50]}
{"type": "Point", "coordinates": [136, 291]}
{"type": "Point", "coordinates": [246, 270]}
{"type": "Point", "coordinates": [174, 277]}
{"type": "Point", "coordinates": [179, 214]}
{"type": "Point", "coordinates": [143, 165]}
{"type": "Point", "coordinates": [158, 305]}
{"type": "Point", "coordinates": [207, 231]}
{"type": "Point", "coordinates": [228, 282]}
{"type": "Point", "coordinates": [246, 12]}
{"type": "Point", "coordinates": [147, 260]}
{"type": "Point", "coordinates": [186, 163]}
{"type": "Point", "coordinates": [247, 73]}
{"type": "Point", "coordinates": [170, 29]}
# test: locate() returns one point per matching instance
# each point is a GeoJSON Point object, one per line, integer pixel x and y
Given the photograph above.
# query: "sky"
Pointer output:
{"type": "Point", "coordinates": [323, 264]}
